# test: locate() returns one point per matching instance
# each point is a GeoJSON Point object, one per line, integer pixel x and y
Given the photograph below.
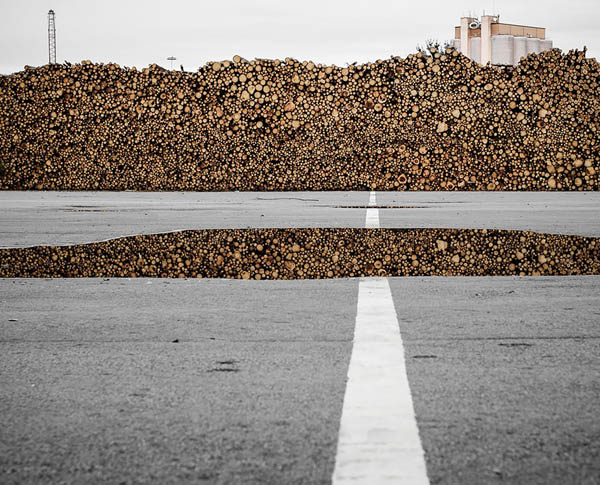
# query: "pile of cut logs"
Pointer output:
{"type": "Point", "coordinates": [433, 121]}
{"type": "Point", "coordinates": [311, 253]}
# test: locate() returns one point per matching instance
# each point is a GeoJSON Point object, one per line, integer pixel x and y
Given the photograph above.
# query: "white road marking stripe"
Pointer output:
{"type": "Point", "coordinates": [372, 214]}
{"type": "Point", "coordinates": [379, 439]}
{"type": "Point", "coordinates": [372, 198]}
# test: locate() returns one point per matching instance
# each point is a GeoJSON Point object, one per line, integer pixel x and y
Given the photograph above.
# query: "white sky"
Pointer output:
{"type": "Point", "coordinates": [138, 33]}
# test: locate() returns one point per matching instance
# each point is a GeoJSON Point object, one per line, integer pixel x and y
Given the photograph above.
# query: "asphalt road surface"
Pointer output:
{"type": "Point", "coordinates": [503, 371]}
{"type": "Point", "coordinates": [505, 376]}
{"type": "Point", "coordinates": [94, 388]}
{"type": "Point", "coordinates": [230, 381]}
{"type": "Point", "coordinates": [59, 218]}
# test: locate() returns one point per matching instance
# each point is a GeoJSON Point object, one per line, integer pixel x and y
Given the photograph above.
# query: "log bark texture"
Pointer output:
{"type": "Point", "coordinates": [427, 122]}
{"type": "Point", "coordinates": [312, 253]}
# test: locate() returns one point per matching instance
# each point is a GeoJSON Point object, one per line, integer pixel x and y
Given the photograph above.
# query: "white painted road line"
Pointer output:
{"type": "Point", "coordinates": [372, 214]}
{"type": "Point", "coordinates": [372, 198]}
{"type": "Point", "coordinates": [379, 439]}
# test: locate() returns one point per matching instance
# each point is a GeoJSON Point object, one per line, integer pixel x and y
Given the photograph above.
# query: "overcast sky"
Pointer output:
{"type": "Point", "coordinates": [138, 33]}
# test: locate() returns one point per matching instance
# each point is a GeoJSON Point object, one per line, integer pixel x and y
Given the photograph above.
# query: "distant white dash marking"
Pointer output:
{"type": "Point", "coordinates": [379, 439]}
{"type": "Point", "coordinates": [372, 213]}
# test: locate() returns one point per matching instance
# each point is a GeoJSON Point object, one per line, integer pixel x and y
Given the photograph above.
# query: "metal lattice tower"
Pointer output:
{"type": "Point", "coordinates": [51, 38]}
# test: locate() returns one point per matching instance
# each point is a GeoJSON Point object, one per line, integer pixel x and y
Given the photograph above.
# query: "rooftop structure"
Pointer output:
{"type": "Point", "coordinates": [490, 41]}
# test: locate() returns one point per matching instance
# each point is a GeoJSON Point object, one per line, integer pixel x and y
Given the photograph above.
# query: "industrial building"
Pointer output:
{"type": "Point", "coordinates": [489, 41]}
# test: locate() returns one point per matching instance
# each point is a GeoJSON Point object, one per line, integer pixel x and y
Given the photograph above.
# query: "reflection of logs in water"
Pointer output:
{"type": "Point", "coordinates": [312, 253]}
{"type": "Point", "coordinates": [438, 122]}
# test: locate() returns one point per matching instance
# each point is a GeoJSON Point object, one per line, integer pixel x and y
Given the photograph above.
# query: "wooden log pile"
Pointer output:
{"type": "Point", "coordinates": [428, 122]}
{"type": "Point", "coordinates": [312, 253]}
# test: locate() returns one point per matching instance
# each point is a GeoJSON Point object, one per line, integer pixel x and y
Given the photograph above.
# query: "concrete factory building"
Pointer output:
{"type": "Point", "coordinates": [488, 40]}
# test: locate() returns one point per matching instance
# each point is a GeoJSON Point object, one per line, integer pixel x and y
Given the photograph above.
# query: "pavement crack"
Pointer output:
{"type": "Point", "coordinates": [287, 198]}
{"type": "Point", "coordinates": [229, 365]}
{"type": "Point", "coordinates": [480, 339]}
{"type": "Point", "coordinates": [158, 341]}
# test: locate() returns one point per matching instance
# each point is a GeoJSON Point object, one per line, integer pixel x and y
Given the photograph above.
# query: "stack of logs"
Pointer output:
{"type": "Point", "coordinates": [434, 121]}
{"type": "Point", "coordinates": [312, 253]}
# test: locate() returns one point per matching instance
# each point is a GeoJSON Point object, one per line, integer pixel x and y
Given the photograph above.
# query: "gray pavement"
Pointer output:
{"type": "Point", "coordinates": [503, 372]}
{"type": "Point", "coordinates": [59, 218]}
{"type": "Point", "coordinates": [505, 376]}
{"type": "Point", "coordinates": [549, 212]}
{"type": "Point", "coordinates": [95, 390]}
{"type": "Point", "coordinates": [215, 381]}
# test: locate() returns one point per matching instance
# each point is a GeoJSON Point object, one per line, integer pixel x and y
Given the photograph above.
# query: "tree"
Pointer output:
{"type": "Point", "coordinates": [432, 46]}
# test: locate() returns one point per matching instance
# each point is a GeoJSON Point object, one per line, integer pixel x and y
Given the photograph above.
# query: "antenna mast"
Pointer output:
{"type": "Point", "coordinates": [51, 38]}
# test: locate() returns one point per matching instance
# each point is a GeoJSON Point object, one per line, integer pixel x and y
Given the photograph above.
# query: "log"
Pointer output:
{"type": "Point", "coordinates": [432, 121]}
{"type": "Point", "coordinates": [311, 253]}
